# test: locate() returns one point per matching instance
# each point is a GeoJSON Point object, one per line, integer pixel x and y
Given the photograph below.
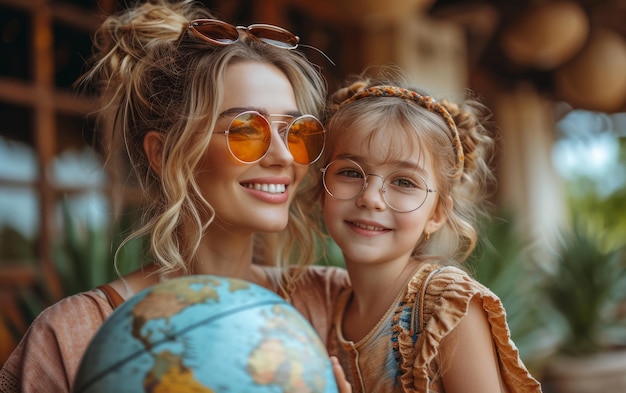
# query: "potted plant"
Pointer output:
{"type": "Point", "coordinates": [585, 290]}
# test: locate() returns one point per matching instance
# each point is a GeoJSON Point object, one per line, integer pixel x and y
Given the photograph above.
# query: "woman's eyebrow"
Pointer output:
{"type": "Point", "coordinates": [294, 113]}
{"type": "Point", "coordinates": [237, 110]}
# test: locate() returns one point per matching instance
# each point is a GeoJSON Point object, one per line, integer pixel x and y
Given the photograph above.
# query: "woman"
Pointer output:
{"type": "Point", "coordinates": [219, 125]}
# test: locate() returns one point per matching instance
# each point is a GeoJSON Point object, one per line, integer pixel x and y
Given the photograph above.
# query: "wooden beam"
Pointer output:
{"type": "Point", "coordinates": [22, 93]}
{"type": "Point", "coordinates": [45, 139]}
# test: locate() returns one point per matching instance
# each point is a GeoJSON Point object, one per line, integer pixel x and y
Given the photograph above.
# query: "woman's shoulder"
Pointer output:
{"type": "Point", "coordinates": [89, 304]}
{"type": "Point", "coordinates": [327, 274]}
{"type": "Point", "coordinates": [73, 316]}
{"type": "Point", "coordinates": [315, 284]}
{"type": "Point", "coordinates": [62, 332]}
{"type": "Point", "coordinates": [313, 278]}
{"type": "Point", "coordinates": [315, 292]}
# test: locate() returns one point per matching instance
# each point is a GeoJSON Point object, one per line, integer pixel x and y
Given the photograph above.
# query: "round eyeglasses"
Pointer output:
{"type": "Point", "coordinates": [404, 190]}
{"type": "Point", "coordinates": [249, 136]}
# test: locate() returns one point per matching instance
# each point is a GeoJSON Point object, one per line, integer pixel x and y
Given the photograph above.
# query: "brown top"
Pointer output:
{"type": "Point", "coordinates": [48, 356]}
{"type": "Point", "coordinates": [400, 354]}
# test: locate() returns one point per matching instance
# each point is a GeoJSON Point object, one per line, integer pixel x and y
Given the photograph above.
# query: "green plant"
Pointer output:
{"type": "Point", "coordinates": [83, 257]}
{"type": "Point", "coordinates": [587, 289]}
{"type": "Point", "coordinates": [84, 254]}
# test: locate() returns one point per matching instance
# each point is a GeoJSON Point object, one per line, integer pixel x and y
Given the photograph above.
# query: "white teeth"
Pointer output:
{"type": "Point", "coordinates": [368, 227]}
{"type": "Point", "coordinates": [271, 188]}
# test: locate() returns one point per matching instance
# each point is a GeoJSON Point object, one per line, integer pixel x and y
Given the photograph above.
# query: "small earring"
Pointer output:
{"type": "Point", "coordinates": [427, 235]}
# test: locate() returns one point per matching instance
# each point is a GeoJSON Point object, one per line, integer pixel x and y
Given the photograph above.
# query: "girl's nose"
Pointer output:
{"type": "Point", "coordinates": [372, 196]}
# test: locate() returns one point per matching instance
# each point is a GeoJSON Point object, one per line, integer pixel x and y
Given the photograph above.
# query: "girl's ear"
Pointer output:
{"type": "Point", "coordinates": [153, 146]}
{"type": "Point", "coordinates": [438, 218]}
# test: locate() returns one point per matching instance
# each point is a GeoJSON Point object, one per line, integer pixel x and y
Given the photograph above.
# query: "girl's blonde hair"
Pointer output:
{"type": "Point", "coordinates": [152, 75]}
{"type": "Point", "coordinates": [402, 125]}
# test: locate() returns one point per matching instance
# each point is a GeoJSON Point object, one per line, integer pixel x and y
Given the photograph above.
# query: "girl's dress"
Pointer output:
{"type": "Point", "coordinates": [401, 353]}
{"type": "Point", "coordinates": [48, 356]}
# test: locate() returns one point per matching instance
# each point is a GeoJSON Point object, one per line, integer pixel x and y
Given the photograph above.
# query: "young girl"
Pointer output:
{"type": "Point", "coordinates": [219, 125]}
{"type": "Point", "coordinates": [404, 182]}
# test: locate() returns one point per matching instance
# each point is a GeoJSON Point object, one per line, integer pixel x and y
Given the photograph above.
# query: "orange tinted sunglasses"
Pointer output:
{"type": "Point", "coordinates": [250, 133]}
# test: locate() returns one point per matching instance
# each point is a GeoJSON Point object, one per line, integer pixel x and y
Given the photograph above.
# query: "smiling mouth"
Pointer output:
{"type": "Point", "coordinates": [368, 227]}
{"type": "Point", "coordinates": [270, 188]}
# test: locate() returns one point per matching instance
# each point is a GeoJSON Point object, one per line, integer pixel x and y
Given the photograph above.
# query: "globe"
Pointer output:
{"type": "Point", "coordinates": [205, 333]}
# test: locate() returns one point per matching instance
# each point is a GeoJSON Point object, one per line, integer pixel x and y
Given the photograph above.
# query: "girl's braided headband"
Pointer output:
{"type": "Point", "coordinates": [427, 102]}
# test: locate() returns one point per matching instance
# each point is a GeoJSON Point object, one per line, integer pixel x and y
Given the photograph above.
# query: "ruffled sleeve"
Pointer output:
{"type": "Point", "coordinates": [443, 295]}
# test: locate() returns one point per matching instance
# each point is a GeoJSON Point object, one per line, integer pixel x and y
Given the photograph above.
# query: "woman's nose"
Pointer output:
{"type": "Point", "coordinates": [278, 152]}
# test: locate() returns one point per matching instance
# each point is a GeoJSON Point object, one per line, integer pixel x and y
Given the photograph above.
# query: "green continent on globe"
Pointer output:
{"type": "Point", "coordinates": [170, 375]}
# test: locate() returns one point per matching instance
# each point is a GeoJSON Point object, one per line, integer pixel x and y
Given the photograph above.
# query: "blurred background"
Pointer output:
{"type": "Point", "coordinates": [553, 72]}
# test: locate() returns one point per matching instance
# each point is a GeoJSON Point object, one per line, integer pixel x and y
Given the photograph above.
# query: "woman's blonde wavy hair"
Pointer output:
{"type": "Point", "coordinates": [399, 124]}
{"type": "Point", "coordinates": [152, 75]}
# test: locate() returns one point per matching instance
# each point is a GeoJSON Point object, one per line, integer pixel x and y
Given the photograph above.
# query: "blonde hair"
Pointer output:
{"type": "Point", "coordinates": [152, 75]}
{"type": "Point", "coordinates": [408, 124]}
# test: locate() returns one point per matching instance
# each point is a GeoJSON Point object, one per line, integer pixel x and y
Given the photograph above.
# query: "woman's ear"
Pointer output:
{"type": "Point", "coordinates": [438, 217]}
{"type": "Point", "coordinates": [153, 147]}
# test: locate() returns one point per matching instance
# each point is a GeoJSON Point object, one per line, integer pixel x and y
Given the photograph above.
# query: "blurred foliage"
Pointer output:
{"type": "Point", "coordinates": [602, 211]}
{"type": "Point", "coordinates": [15, 247]}
{"type": "Point", "coordinates": [83, 256]}
{"type": "Point", "coordinates": [585, 287]}
{"type": "Point", "coordinates": [587, 290]}
{"type": "Point", "coordinates": [574, 304]}
{"type": "Point", "coordinates": [603, 214]}
{"type": "Point", "coordinates": [329, 253]}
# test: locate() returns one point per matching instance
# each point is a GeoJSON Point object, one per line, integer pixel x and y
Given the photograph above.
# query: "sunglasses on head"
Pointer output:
{"type": "Point", "coordinates": [250, 133]}
{"type": "Point", "coordinates": [221, 33]}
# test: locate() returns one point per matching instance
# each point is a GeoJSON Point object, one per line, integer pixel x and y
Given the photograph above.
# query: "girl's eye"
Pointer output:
{"type": "Point", "coordinates": [352, 173]}
{"type": "Point", "coordinates": [407, 181]}
{"type": "Point", "coordinates": [404, 183]}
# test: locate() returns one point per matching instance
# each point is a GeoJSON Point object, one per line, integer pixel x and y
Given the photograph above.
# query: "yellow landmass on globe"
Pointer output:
{"type": "Point", "coordinates": [265, 360]}
{"type": "Point", "coordinates": [271, 363]}
{"type": "Point", "coordinates": [275, 362]}
{"type": "Point", "coordinates": [170, 376]}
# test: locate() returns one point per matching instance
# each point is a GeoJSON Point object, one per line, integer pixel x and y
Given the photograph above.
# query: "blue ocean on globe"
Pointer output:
{"type": "Point", "coordinates": [205, 333]}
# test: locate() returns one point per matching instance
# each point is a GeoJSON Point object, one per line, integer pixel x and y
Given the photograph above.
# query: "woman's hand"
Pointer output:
{"type": "Point", "coordinates": [340, 377]}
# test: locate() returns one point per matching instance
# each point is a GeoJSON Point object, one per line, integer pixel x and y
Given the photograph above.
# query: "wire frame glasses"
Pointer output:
{"type": "Point", "coordinates": [404, 190]}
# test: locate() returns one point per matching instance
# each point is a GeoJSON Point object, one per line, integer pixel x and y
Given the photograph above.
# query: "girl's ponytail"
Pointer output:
{"type": "Point", "coordinates": [472, 119]}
